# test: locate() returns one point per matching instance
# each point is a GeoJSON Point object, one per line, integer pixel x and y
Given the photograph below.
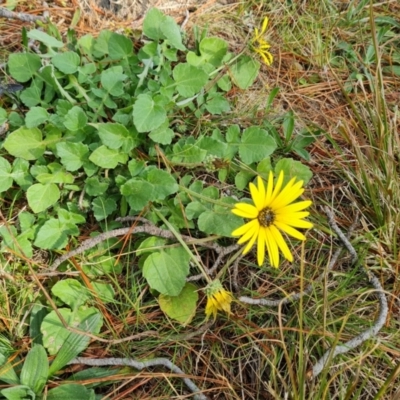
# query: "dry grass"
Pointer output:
{"type": "Point", "coordinates": [262, 353]}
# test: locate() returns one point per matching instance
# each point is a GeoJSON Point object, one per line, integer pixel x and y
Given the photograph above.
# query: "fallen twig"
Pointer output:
{"type": "Point", "coordinates": [19, 15]}
{"type": "Point", "coordinates": [150, 229]}
{"type": "Point", "coordinates": [368, 333]}
{"type": "Point", "coordinates": [130, 362]}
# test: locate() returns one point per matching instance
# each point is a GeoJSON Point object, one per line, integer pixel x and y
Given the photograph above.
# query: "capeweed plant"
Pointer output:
{"type": "Point", "coordinates": [114, 129]}
{"type": "Point", "coordinates": [49, 336]}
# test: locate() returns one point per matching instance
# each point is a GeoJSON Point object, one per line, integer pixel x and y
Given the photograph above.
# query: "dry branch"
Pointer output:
{"type": "Point", "coordinates": [139, 365]}
{"type": "Point", "coordinates": [19, 15]}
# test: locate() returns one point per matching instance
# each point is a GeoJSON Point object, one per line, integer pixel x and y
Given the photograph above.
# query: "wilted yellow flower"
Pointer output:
{"type": "Point", "coordinates": [271, 213]}
{"type": "Point", "coordinates": [260, 45]}
{"type": "Point", "coordinates": [217, 299]}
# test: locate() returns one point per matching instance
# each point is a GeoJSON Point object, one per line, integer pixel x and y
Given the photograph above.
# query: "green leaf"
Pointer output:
{"type": "Point", "coordinates": [256, 145]}
{"type": "Point", "coordinates": [288, 125]}
{"type": "Point", "coordinates": [119, 47]}
{"type": "Point", "coordinates": [3, 115]}
{"type": "Point", "coordinates": [75, 119]}
{"type": "Point", "coordinates": [189, 79]}
{"type": "Point", "coordinates": [152, 24]}
{"type": "Point", "coordinates": [172, 32]}
{"type": "Point", "coordinates": [163, 134]}
{"type": "Point", "coordinates": [101, 265]}
{"type": "Point", "coordinates": [158, 26]}
{"type": "Point", "coordinates": [104, 291]}
{"type": "Point", "coordinates": [99, 46]}
{"type": "Point", "coordinates": [20, 173]}
{"type": "Point", "coordinates": [219, 222]}
{"type": "Point", "coordinates": [72, 155]}
{"type": "Point", "coordinates": [112, 80]}
{"type": "Point", "coordinates": [25, 143]}
{"type": "Point", "coordinates": [95, 187]}
{"type": "Point", "coordinates": [38, 312]}
{"type": "Point", "coordinates": [57, 176]}
{"type": "Point", "coordinates": [194, 209]}
{"type": "Point", "coordinates": [166, 270]}
{"type": "Point", "coordinates": [107, 158]}
{"type": "Point", "coordinates": [71, 292]}
{"type": "Point", "coordinates": [19, 244]}
{"type": "Point", "coordinates": [181, 308]}
{"type": "Point", "coordinates": [213, 147]}
{"type": "Point", "coordinates": [36, 116]}
{"type": "Point", "coordinates": [103, 207]}
{"type": "Point", "coordinates": [67, 62]}
{"type": "Point", "coordinates": [90, 320]}
{"type": "Point", "coordinates": [35, 370]}
{"type": "Point", "coordinates": [212, 51]}
{"type": "Point", "coordinates": [22, 66]}
{"type": "Point", "coordinates": [69, 217]}
{"type": "Point", "coordinates": [188, 153]}
{"type": "Point", "coordinates": [244, 71]}
{"type": "Point", "coordinates": [163, 183]}
{"type": "Point", "coordinates": [138, 193]}
{"type": "Point", "coordinates": [217, 104]}
{"type": "Point", "coordinates": [147, 115]}
{"type": "Point", "coordinates": [115, 135]}
{"type": "Point", "coordinates": [293, 168]}
{"type": "Point", "coordinates": [42, 196]}
{"type": "Point", "coordinates": [45, 38]}
{"type": "Point", "coordinates": [32, 95]}
{"type": "Point", "coordinates": [20, 392]}
{"type": "Point", "coordinates": [70, 391]}
{"type": "Point", "coordinates": [55, 335]}
{"type": "Point", "coordinates": [7, 372]}
{"type": "Point", "coordinates": [5, 175]}
{"type": "Point", "coordinates": [150, 244]}
{"type": "Point", "coordinates": [54, 234]}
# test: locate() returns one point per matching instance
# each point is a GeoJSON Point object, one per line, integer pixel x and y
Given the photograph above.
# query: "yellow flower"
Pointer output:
{"type": "Point", "coordinates": [260, 45]}
{"type": "Point", "coordinates": [271, 213]}
{"type": "Point", "coordinates": [217, 299]}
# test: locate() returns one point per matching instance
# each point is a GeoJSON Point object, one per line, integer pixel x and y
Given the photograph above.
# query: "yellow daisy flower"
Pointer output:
{"type": "Point", "coordinates": [217, 299]}
{"type": "Point", "coordinates": [260, 45]}
{"type": "Point", "coordinates": [272, 213]}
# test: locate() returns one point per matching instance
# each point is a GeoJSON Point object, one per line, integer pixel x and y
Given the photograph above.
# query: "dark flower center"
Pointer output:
{"type": "Point", "coordinates": [266, 217]}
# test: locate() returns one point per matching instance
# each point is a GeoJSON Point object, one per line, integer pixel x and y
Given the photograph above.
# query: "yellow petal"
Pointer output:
{"type": "Point", "coordinates": [292, 208]}
{"type": "Point", "coordinates": [288, 194]}
{"type": "Point", "coordinates": [267, 57]}
{"type": "Point", "coordinates": [270, 187]}
{"type": "Point", "coordinates": [288, 216]}
{"type": "Point", "coordinates": [256, 35]}
{"type": "Point", "coordinates": [261, 190]}
{"type": "Point", "coordinates": [273, 247]}
{"type": "Point", "coordinates": [263, 45]}
{"type": "Point", "coordinates": [250, 243]}
{"type": "Point", "coordinates": [264, 26]}
{"type": "Point", "coordinates": [245, 210]}
{"type": "Point", "coordinates": [281, 243]}
{"type": "Point", "coordinates": [289, 230]}
{"type": "Point", "coordinates": [253, 230]}
{"type": "Point", "coordinates": [261, 246]}
{"type": "Point", "coordinates": [246, 228]}
{"type": "Point", "coordinates": [295, 219]}
{"type": "Point", "coordinates": [277, 188]}
{"type": "Point", "coordinates": [256, 196]}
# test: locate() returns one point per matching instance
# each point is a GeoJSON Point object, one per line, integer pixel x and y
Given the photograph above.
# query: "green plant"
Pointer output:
{"type": "Point", "coordinates": [112, 131]}
{"type": "Point", "coordinates": [48, 333]}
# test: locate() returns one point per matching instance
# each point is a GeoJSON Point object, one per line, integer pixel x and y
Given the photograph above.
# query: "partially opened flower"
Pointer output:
{"type": "Point", "coordinates": [217, 299]}
{"type": "Point", "coordinates": [272, 213]}
{"type": "Point", "coordinates": [260, 45]}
